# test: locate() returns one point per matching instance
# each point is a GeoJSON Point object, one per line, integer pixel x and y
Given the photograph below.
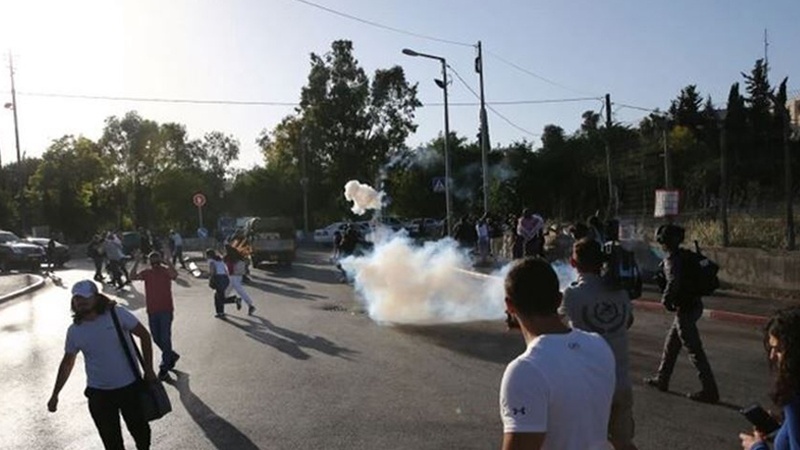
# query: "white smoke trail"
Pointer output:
{"type": "Point", "coordinates": [363, 196]}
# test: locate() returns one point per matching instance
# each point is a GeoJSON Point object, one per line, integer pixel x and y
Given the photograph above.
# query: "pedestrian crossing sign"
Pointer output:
{"type": "Point", "coordinates": [438, 184]}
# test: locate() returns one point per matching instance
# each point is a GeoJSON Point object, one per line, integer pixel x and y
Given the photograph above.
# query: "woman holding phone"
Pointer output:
{"type": "Point", "coordinates": [782, 344]}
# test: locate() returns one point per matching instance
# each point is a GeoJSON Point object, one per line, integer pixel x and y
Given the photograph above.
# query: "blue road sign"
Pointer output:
{"type": "Point", "coordinates": [438, 184]}
{"type": "Point", "coordinates": [202, 233]}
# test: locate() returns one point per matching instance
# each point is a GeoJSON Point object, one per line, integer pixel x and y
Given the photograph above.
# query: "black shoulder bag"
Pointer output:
{"type": "Point", "coordinates": [152, 395]}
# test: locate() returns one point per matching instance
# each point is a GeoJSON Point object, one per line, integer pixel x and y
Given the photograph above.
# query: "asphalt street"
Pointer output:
{"type": "Point", "coordinates": [310, 370]}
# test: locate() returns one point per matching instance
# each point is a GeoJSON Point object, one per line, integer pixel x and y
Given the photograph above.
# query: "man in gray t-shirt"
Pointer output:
{"type": "Point", "coordinates": [112, 384]}
{"type": "Point", "coordinates": [591, 305]}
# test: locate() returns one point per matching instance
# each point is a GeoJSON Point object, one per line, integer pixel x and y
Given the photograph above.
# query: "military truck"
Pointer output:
{"type": "Point", "coordinates": [271, 239]}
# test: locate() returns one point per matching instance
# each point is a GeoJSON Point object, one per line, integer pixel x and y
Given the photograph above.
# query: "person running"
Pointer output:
{"type": "Point", "coordinates": [590, 304]}
{"type": "Point", "coordinates": [160, 306]}
{"type": "Point", "coordinates": [678, 297]}
{"type": "Point", "coordinates": [237, 267]}
{"type": "Point", "coordinates": [218, 280]}
{"type": "Point", "coordinates": [111, 386]}
{"type": "Point", "coordinates": [557, 394]}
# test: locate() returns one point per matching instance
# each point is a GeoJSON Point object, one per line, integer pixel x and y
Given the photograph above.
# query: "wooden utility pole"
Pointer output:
{"type": "Point", "coordinates": [608, 157]}
{"type": "Point", "coordinates": [723, 187]}
{"type": "Point", "coordinates": [484, 133]}
{"type": "Point", "coordinates": [787, 173]}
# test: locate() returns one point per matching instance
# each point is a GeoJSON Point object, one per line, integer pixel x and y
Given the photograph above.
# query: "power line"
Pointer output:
{"type": "Point", "coordinates": [267, 103]}
{"type": "Point", "coordinates": [534, 74]}
{"type": "Point", "coordinates": [380, 25]}
{"type": "Point", "coordinates": [489, 107]}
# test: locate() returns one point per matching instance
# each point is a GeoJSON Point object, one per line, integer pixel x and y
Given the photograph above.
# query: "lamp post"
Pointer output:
{"type": "Point", "coordinates": [442, 84]}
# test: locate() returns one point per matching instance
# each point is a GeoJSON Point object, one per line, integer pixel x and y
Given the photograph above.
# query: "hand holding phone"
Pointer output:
{"type": "Point", "coordinates": [760, 419]}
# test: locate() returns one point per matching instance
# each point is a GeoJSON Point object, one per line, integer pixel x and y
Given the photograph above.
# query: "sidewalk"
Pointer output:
{"type": "Point", "coordinates": [16, 284]}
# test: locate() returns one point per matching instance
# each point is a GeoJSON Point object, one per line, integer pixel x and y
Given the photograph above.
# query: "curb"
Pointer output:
{"type": "Point", "coordinates": [708, 314]}
{"type": "Point", "coordinates": [38, 282]}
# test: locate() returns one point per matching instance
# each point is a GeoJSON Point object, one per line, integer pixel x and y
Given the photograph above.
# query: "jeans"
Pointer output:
{"type": "Point", "coordinates": [161, 329]}
{"type": "Point", "coordinates": [221, 282]}
{"type": "Point", "coordinates": [98, 268]}
{"type": "Point", "coordinates": [105, 407]}
{"type": "Point", "coordinates": [684, 333]}
{"type": "Point", "coordinates": [236, 285]}
{"type": "Point", "coordinates": [177, 255]}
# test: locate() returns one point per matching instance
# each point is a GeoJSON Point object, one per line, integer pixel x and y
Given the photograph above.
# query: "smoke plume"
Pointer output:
{"type": "Point", "coordinates": [363, 196]}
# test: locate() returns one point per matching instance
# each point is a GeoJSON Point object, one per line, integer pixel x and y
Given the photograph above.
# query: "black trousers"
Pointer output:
{"type": "Point", "coordinates": [106, 406]}
{"type": "Point", "coordinates": [684, 333]}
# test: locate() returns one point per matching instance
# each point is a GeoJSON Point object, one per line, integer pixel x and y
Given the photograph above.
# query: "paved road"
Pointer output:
{"type": "Point", "coordinates": [310, 370]}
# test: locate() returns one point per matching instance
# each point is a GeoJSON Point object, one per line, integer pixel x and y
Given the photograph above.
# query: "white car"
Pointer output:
{"type": "Point", "coordinates": [324, 236]}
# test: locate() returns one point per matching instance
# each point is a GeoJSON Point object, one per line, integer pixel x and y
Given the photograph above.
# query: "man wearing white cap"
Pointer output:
{"type": "Point", "coordinates": [112, 386]}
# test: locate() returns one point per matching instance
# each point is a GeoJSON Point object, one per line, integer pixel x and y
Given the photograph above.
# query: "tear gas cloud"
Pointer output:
{"type": "Point", "coordinates": [363, 196]}
{"type": "Point", "coordinates": [402, 282]}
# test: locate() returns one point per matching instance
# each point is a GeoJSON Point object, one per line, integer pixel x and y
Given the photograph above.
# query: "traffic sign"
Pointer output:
{"type": "Point", "coordinates": [199, 199]}
{"type": "Point", "coordinates": [667, 202]}
{"type": "Point", "coordinates": [202, 233]}
{"type": "Point", "coordinates": [438, 184]}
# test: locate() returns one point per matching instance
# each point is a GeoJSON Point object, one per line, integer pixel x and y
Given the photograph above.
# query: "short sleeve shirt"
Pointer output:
{"type": "Point", "coordinates": [107, 366]}
{"type": "Point", "coordinates": [562, 385]}
{"type": "Point", "coordinates": [157, 289]}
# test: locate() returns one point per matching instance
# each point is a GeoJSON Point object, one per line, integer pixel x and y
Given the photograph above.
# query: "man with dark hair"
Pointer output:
{"type": "Point", "coordinates": [557, 394]}
{"type": "Point", "coordinates": [591, 304]}
{"type": "Point", "coordinates": [678, 297]}
{"type": "Point", "coordinates": [112, 386]}
{"type": "Point", "coordinates": [160, 306]}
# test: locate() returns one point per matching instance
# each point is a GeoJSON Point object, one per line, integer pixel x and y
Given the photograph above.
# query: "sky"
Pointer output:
{"type": "Point", "coordinates": [640, 52]}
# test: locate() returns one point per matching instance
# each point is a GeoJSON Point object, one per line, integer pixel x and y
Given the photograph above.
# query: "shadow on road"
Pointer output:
{"type": "Point", "coordinates": [483, 340]}
{"type": "Point", "coordinates": [282, 288]}
{"type": "Point", "coordinates": [133, 296]}
{"type": "Point", "coordinates": [219, 431]}
{"type": "Point", "coordinates": [287, 341]}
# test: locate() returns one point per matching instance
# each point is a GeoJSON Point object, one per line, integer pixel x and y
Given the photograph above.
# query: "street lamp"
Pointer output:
{"type": "Point", "coordinates": [443, 85]}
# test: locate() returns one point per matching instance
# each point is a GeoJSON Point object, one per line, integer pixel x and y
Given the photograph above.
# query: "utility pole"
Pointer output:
{"type": "Point", "coordinates": [14, 104]}
{"type": "Point", "coordinates": [667, 162]}
{"type": "Point", "coordinates": [766, 51]}
{"type": "Point", "coordinates": [723, 195]}
{"type": "Point", "coordinates": [304, 182]}
{"type": "Point", "coordinates": [448, 202]}
{"type": "Point", "coordinates": [484, 132]}
{"type": "Point", "coordinates": [608, 156]}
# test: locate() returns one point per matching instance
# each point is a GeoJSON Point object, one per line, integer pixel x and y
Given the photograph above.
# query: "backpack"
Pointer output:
{"type": "Point", "coordinates": [701, 272]}
{"type": "Point", "coordinates": [620, 270]}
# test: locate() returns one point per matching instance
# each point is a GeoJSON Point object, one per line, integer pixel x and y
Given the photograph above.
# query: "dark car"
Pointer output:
{"type": "Point", "coordinates": [61, 255]}
{"type": "Point", "coordinates": [18, 254]}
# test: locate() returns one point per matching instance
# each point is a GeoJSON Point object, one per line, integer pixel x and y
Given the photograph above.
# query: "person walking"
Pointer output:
{"type": "Point", "coordinates": [782, 345]}
{"type": "Point", "coordinates": [482, 233]}
{"type": "Point", "coordinates": [218, 280]}
{"type": "Point", "coordinates": [592, 305]}
{"type": "Point", "coordinates": [115, 256]}
{"type": "Point", "coordinates": [678, 297]}
{"type": "Point", "coordinates": [176, 246]}
{"type": "Point", "coordinates": [111, 386]}
{"type": "Point", "coordinates": [557, 394]}
{"type": "Point", "coordinates": [160, 306]}
{"type": "Point", "coordinates": [95, 252]}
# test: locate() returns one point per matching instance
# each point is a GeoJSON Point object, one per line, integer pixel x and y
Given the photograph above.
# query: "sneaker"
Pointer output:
{"type": "Point", "coordinates": [704, 397]}
{"type": "Point", "coordinates": [175, 359]}
{"type": "Point", "coordinates": [656, 382]}
{"type": "Point", "coordinates": [219, 315]}
{"type": "Point", "coordinates": [251, 310]}
{"type": "Point", "coordinates": [238, 303]}
{"type": "Point", "coordinates": [163, 374]}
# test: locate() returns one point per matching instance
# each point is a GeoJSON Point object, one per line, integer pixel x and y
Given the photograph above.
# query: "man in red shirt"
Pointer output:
{"type": "Point", "coordinates": [158, 297]}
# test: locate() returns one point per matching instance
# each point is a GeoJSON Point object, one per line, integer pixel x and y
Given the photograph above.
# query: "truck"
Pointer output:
{"type": "Point", "coordinates": [271, 239]}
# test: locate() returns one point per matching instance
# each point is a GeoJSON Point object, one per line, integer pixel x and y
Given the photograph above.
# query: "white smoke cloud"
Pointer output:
{"type": "Point", "coordinates": [363, 196]}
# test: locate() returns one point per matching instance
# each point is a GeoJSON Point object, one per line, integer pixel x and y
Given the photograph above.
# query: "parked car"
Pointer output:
{"type": "Point", "coordinates": [324, 236]}
{"type": "Point", "coordinates": [424, 227]}
{"type": "Point", "coordinates": [18, 254]}
{"type": "Point", "coordinates": [61, 255]}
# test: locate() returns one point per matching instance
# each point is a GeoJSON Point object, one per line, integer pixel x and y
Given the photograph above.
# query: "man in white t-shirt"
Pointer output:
{"type": "Point", "coordinates": [557, 394]}
{"type": "Point", "coordinates": [112, 386]}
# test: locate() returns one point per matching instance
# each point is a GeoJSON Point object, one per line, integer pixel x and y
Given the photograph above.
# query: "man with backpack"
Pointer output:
{"type": "Point", "coordinates": [683, 287]}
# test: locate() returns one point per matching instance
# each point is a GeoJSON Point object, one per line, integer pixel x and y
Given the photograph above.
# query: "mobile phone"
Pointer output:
{"type": "Point", "coordinates": [760, 419]}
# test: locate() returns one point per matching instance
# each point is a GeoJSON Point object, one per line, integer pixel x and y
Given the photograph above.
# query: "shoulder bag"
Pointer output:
{"type": "Point", "coordinates": [152, 395]}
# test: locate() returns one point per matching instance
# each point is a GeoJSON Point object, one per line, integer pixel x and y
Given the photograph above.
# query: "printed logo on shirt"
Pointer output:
{"type": "Point", "coordinates": [605, 317]}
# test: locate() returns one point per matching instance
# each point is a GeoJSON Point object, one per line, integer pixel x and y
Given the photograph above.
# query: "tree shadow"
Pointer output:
{"type": "Point", "coordinates": [482, 340]}
{"type": "Point", "coordinates": [276, 287]}
{"type": "Point", "coordinates": [219, 431]}
{"type": "Point", "coordinates": [132, 296]}
{"type": "Point", "coordinates": [182, 283]}
{"type": "Point", "coordinates": [287, 341]}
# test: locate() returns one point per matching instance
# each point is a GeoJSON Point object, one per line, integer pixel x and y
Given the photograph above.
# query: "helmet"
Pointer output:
{"type": "Point", "coordinates": [670, 233]}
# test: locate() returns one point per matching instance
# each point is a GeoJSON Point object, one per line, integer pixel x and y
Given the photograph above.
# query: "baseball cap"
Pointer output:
{"type": "Point", "coordinates": [84, 288]}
